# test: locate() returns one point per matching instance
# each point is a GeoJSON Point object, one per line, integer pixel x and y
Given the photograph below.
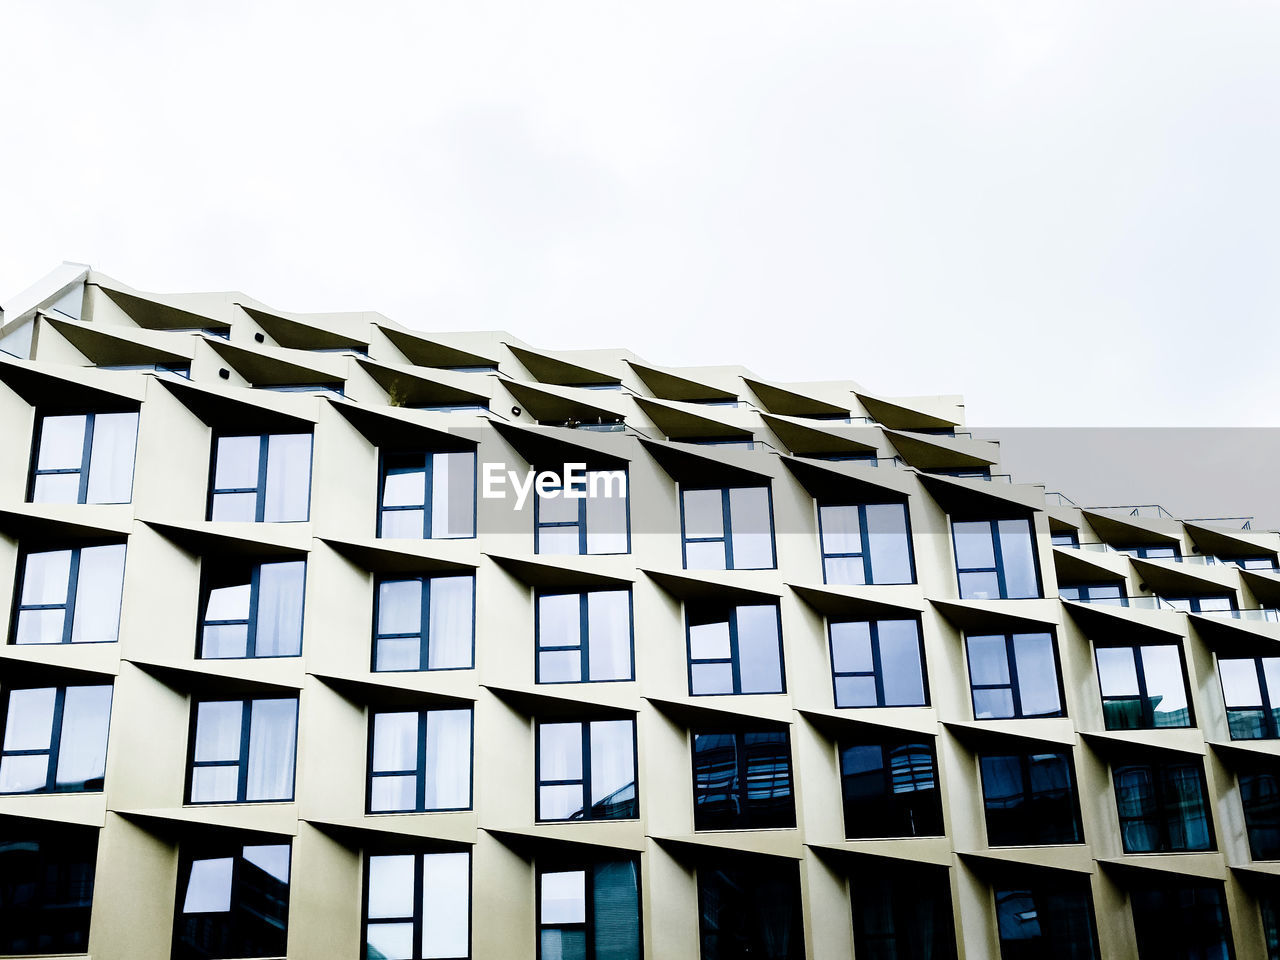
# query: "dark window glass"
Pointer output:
{"type": "Point", "coordinates": [84, 458]}
{"type": "Point", "coordinates": [735, 649]}
{"type": "Point", "coordinates": [1107, 594]}
{"type": "Point", "coordinates": [1220, 604]}
{"type": "Point", "coordinates": [866, 543]}
{"type": "Point", "coordinates": [1014, 675]}
{"type": "Point", "coordinates": [71, 596]}
{"type": "Point", "coordinates": [751, 911]}
{"type": "Point", "coordinates": [903, 914]}
{"type": "Point", "coordinates": [420, 761]}
{"type": "Point", "coordinates": [233, 901]}
{"type": "Point", "coordinates": [424, 623]}
{"type": "Point", "coordinates": [729, 528]}
{"type": "Point", "coordinates": [878, 663]}
{"type": "Point", "coordinates": [891, 790]}
{"type": "Point", "coordinates": [253, 610]}
{"type": "Point", "coordinates": [46, 887]}
{"type": "Point", "coordinates": [587, 771]}
{"type": "Point", "coordinates": [263, 478]}
{"type": "Point", "coordinates": [1270, 904]}
{"type": "Point", "coordinates": [1143, 687]}
{"type": "Point", "coordinates": [427, 495]}
{"type": "Point", "coordinates": [1044, 920]}
{"type": "Point", "coordinates": [584, 636]}
{"type": "Point", "coordinates": [242, 750]}
{"type": "Point", "coordinates": [1162, 807]}
{"type": "Point", "coordinates": [1247, 688]}
{"type": "Point", "coordinates": [1260, 797]}
{"type": "Point", "coordinates": [55, 739]}
{"type": "Point", "coordinates": [1181, 921]}
{"type": "Point", "coordinates": [742, 780]}
{"type": "Point", "coordinates": [995, 559]}
{"type": "Point", "coordinates": [589, 911]}
{"type": "Point", "coordinates": [590, 518]}
{"type": "Point", "coordinates": [417, 906]}
{"type": "Point", "coordinates": [1030, 799]}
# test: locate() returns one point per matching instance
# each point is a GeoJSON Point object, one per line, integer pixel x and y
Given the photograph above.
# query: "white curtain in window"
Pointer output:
{"type": "Point", "coordinates": [288, 492]}
{"type": "Point", "coordinates": [450, 623]}
{"type": "Point", "coordinates": [272, 741]}
{"type": "Point", "coordinates": [448, 759]}
{"type": "Point", "coordinates": [111, 458]}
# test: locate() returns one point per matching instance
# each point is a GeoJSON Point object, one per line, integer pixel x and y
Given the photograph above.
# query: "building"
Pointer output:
{"type": "Point", "coordinates": [304, 660]}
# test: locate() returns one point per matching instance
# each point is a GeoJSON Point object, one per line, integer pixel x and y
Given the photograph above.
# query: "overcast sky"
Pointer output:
{"type": "Point", "coordinates": [1068, 212]}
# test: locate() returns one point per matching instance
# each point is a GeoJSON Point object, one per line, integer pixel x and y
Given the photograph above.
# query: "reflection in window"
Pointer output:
{"type": "Point", "coordinates": [1181, 919]}
{"type": "Point", "coordinates": [742, 780]}
{"type": "Point", "coordinates": [243, 751]}
{"type": "Point", "coordinates": [424, 623]}
{"type": "Point", "coordinates": [735, 649]}
{"type": "Point", "coordinates": [1270, 904]}
{"type": "Point", "coordinates": [262, 478]}
{"type": "Point", "coordinates": [1014, 675]}
{"type": "Point", "coordinates": [1162, 807]}
{"type": "Point", "coordinates": [589, 911]}
{"type": "Point", "coordinates": [71, 596]}
{"type": "Point", "coordinates": [1106, 594]}
{"type": "Point", "coordinates": [1260, 797]}
{"type": "Point", "coordinates": [587, 771]}
{"type": "Point", "coordinates": [420, 761]}
{"type": "Point", "coordinates": [1247, 688]}
{"type": "Point", "coordinates": [750, 907]}
{"type": "Point", "coordinates": [878, 663]}
{"type": "Point", "coordinates": [418, 906]}
{"type": "Point", "coordinates": [1143, 687]}
{"type": "Point", "coordinates": [1219, 604]}
{"type": "Point", "coordinates": [55, 739]}
{"type": "Point", "coordinates": [1030, 798]}
{"type": "Point", "coordinates": [253, 610]}
{"type": "Point", "coordinates": [890, 790]}
{"type": "Point", "coordinates": [1044, 918]}
{"type": "Point", "coordinates": [728, 528]}
{"type": "Point", "coordinates": [903, 913]}
{"type": "Point", "coordinates": [590, 518]}
{"type": "Point", "coordinates": [233, 901]}
{"type": "Point", "coordinates": [85, 458]}
{"type": "Point", "coordinates": [995, 559]}
{"type": "Point", "coordinates": [46, 887]}
{"type": "Point", "coordinates": [866, 543]}
{"type": "Point", "coordinates": [428, 496]}
{"type": "Point", "coordinates": [584, 636]}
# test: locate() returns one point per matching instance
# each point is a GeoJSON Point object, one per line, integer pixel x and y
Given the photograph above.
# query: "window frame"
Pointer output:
{"type": "Point", "coordinates": [877, 671]}
{"type": "Point", "coordinates": [746, 819]}
{"type": "Point", "coordinates": [424, 632]}
{"type": "Point", "coordinates": [1041, 890]}
{"type": "Point", "coordinates": [726, 520]}
{"type": "Point", "coordinates": [251, 624]}
{"type": "Point", "coordinates": [187, 858]}
{"type": "Point", "coordinates": [1270, 723]}
{"type": "Point", "coordinates": [419, 882]}
{"type": "Point", "coordinates": [419, 772]}
{"type": "Point", "coordinates": [865, 537]}
{"type": "Point", "coordinates": [1014, 685]}
{"type": "Point", "coordinates": [887, 798]}
{"type": "Point", "coordinates": [588, 926]}
{"type": "Point", "coordinates": [1144, 698]}
{"type": "Point", "coordinates": [997, 552]}
{"type": "Point", "coordinates": [734, 659]}
{"type": "Point", "coordinates": [1163, 809]}
{"type": "Point", "coordinates": [1025, 758]}
{"type": "Point", "coordinates": [86, 455]}
{"type": "Point", "coordinates": [584, 634]}
{"type": "Point", "coordinates": [260, 490]}
{"type": "Point", "coordinates": [55, 738]}
{"type": "Point", "coordinates": [580, 524]}
{"type": "Point", "coordinates": [428, 490]}
{"type": "Point", "coordinates": [68, 606]}
{"type": "Point", "coordinates": [1084, 590]}
{"type": "Point", "coordinates": [584, 725]}
{"type": "Point", "coordinates": [242, 763]}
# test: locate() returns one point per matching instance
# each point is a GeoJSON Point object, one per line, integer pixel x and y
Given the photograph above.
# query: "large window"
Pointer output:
{"type": "Point", "coordinates": [84, 458]}
{"type": "Point", "coordinates": [1014, 675]}
{"type": "Point", "coordinates": [589, 911]}
{"type": "Point", "coordinates": [427, 496]}
{"type": "Point", "coordinates": [1181, 921]}
{"type": "Point", "coordinates": [587, 770]}
{"type": "Point", "coordinates": [417, 906]}
{"type": "Point", "coordinates": [264, 478]}
{"type": "Point", "coordinates": [742, 780]}
{"type": "Point", "coordinates": [420, 761]}
{"type": "Point", "coordinates": [1030, 799]}
{"type": "Point", "coordinates": [253, 610]}
{"type": "Point", "coordinates": [878, 663]}
{"type": "Point", "coordinates": [1143, 687]}
{"type": "Point", "coordinates": [589, 518]}
{"type": "Point", "coordinates": [890, 790]}
{"type": "Point", "coordinates": [46, 887]}
{"type": "Point", "coordinates": [584, 636]}
{"type": "Point", "coordinates": [903, 913]}
{"type": "Point", "coordinates": [1248, 688]}
{"type": "Point", "coordinates": [71, 596]}
{"type": "Point", "coordinates": [55, 739]}
{"type": "Point", "coordinates": [1260, 797]}
{"type": "Point", "coordinates": [866, 543]}
{"type": "Point", "coordinates": [1162, 807]}
{"type": "Point", "coordinates": [735, 649]}
{"type": "Point", "coordinates": [995, 559]}
{"type": "Point", "coordinates": [424, 623]}
{"type": "Point", "coordinates": [243, 750]}
{"type": "Point", "coordinates": [1046, 920]}
{"type": "Point", "coordinates": [750, 908]}
{"type": "Point", "coordinates": [728, 528]}
{"type": "Point", "coordinates": [233, 901]}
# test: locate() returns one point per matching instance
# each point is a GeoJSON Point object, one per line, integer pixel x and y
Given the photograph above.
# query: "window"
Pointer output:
{"type": "Point", "coordinates": [590, 911]}
{"type": "Point", "coordinates": [418, 906]}
{"type": "Point", "coordinates": [903, 913]}
{"type": "Point", "coordinates": [589, 518]}
{"type": "Point", "coordinates": [420, 761]}
{"type": "Point", "coordinates": [1162, 807]}
{"type": "Point", "coordinates": [424, 623]}
{"type": "Point", "coordinates": [728, 529]}
{"type": "Point", "coordinates": [584, 637]}
{"type": "Point", "coordinates": [55, 739]}
{"type": "Point", "coordinates": [1270, 905]}
{"type": "Point", "coordinates": [1202, 604]}
{"type": "Point", "coordinates": [878, 663]}
{"type": "Point", "coordinates": [866, 543]}
{"type": "Point", "coordinates": [233, 901]}
{"type": "Point", "coordinates": [1070, 538]}
{"type": "Point", "coordinates": [46, 887]}
{"type": "Point", "coordinates": [253, 610]}
{"type": "Point", "coordinates": [84, 458]}
{"type": "Point", "coordinates": [751, 908]}
{"type": "Point", "coordinates": [427, 496]}
{"type": "Point", "coordinates": [1260, 797]}
{"type": "Point", "coordinates": [1030, 799]}
{"type": "Point", "coordinates": [1143, 687]}
{"type": "Point", "coordinates": [1107, 594]}
{"type": "Point", "coordinates": [263, 478]}
{"type": "Point", "coordinates": [735, 649]}
{"type": "Point", "coordinates": [1253, 563]}
{"type": "Point", "coordinates": [1046, 920]}
{"type": "Point", "coordinates": [71, 596]}
{"type": "Point", "coordinates": [890, 790]}
{"type": "Point", "coordinates": [1181, 920]}
{"type": "Point", "coordinates": [1247, 685]}
{"type": "Point", "coordinates": [1014, 675]}
{"type": "Point", "coordinates": [742, 780]}
{"type": "Point", "coordinates": [243, 751]}
{"type": "Point", "coordinates": [587, 770]}
{"type": "Point", "coordinates": [1163, 551]}
{"type": "Point", "coordinates": [995, 559]}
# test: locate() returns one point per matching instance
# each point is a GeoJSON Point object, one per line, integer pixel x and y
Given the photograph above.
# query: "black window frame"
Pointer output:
{"type": "Point", "coordinates": [1041, 887]}
{"type": "Point", "coordinates": [734, 659]}
{"type": "Point", "coordinates": [584, 634]}
{"type": "Point", "coordinates": [260, 490]}
{"type": "Point", "coordinates": [1260, 804]}
{"type": "Point", "coordinates": [242, 763]}
{"type": "Point", "coordinates": [424, 633]}
{"type": "Point", "coordinates": [580, 524]}
{"type": "Point", "coordinates": [207, 586]}
{"type": "Point", "coordinates": [997, 553]}
{"type": "Point", "coordinates": [587, 807]}
{"type": "Point", "coordinates": [190, 853]}
{"type": "Point", "coordinates": [865, 536]}
{"type": "Point", "coordinates": [877, 670]}
{"type": "Point", "coordinates": [1014, 684]}
{"type": "Point", "coordinates": [428, 457]}
{"type": "Point", "coordinates": [747, 816]}
{"type": "Point", "coordinates": [896, 804]}
{"type": "Point", "coordinates": [68, 606]}
{"type": "Point", "coordinates": [1084, 592]}
{"type": "Point", "coordinates": [1144, 698]}
{"type": "Point", "coordinates": [1028, 798]}
{"type": "Point", "coordinates": [588, 926]}
{"type": "Point", "coordinates": [86, 455]}
{"type": "Point", "coordinates": [726, 519]}
{"type": "Point", "coordinates": [419, 770]}
{"type": "Point", "coordinates": [1270, 722]}
{"type": "Point", "coordinates": [55, 738]}
{"type": "Point", "coordinates": [1163, 808]}
{"type": "Point", "coordinates": [419, 882]}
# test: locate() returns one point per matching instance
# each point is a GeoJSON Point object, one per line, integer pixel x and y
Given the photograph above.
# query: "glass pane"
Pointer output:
{"type": "Point", "coordinates": [711, 678]}
{"type": "Point", "coordinates": [390, 941]}
{"type": "Point", "coordinates": [399, 654]}
{"type": "Point", "coordinates": [392, 794]}
{"type": "Point", "coordinates": [559, 541]}
{"type": "Point", "coordinates": [405, 486]}
{"type": "Point", "coordinates": [1271, 674]}
{"type": "Point", "coordinates": [979, 586]}
{"type": "Point", "coordinates": [560, 802]}
{"type": "Point", "coordinates": [1162, 666]}
{"type": "Point", "coordinates": [82, 749]}
{"type": "Point", "coordinates": [228, 603]}
{"type": "Point", "coordinates": [841, 530]}
{"type": "Point", "coordinates": [1037, 674]}
{"type": "Point", "coordinates": [280, 591]}
{"type": "Point", "coordinates": [1018, 557]}
{"type": "Point", "coordinates": [40, 626]}
{"type": "Point", "coordinates": [560, 751]}
{"type": "Point", "coordinates": [564, 897]}
{"type": "Point", "coordinates": [759, 649]}
{"type": "Point", "coordinates": [560, 666]}
{"type": "Point", "coordinates": [993, 704]}
{"type": "Point", "coordinates": [554, 507]}
{"type": "Point", "coordinates": [851, 647]}
{"type": "Point", "coordinates": [844, 570]}
{"type": "Point", "coordinates": [56, 488]}
{"type": "Point", "coordinates": [448, 760]}
{"type": "Point", "coordinates": [62, 444]}
{"type": "Point", "coordinates": [446, 905]}
{"type": "Point", "coordinates": [609, 629]}
{"type": "Point", "coordinates": [974, 547]}
{"type": "Point", "coordinates": [900, 663]}
{"type": "Point", "coordinates": [703, 514]}
{"type": "Point", "coordinates": [272, 739]}
{"type": "Point", "coordinates": [24, 774]}
{"type": "Point", "coordinates": [288, 493]}
{"type": "Point", "coordinates": [29, 722]}
{"type": "Point", "coordinates": [856, 692]}
{"type": "Point", "coordinates": [606, 515]}
{"type": "Point", "coordinates": [214, 784]}
{"type": "Point", "coordinates": [218, 730]}
{"type": "Point", "coordinates": [395, 741]}
{"type": "Point", "coordinates": [236, 467]}
{"type": "Point", "coordinates": [45, 577]}
{"type": "Point", "coordinates": [613, 769]}
{"type": "Point", "coordinates": [111, 460]}
{"type": "Point", "coordinates": [209, 886]}
{"type": "Point", "coordinates": [399, 606]}
{"type": "Point", "coordinates": [390, 887]}
{"type": "Point", "coordinates": [560, 620]}
{"type": "Point", "coordinates": [235, 507]}
{"type": "Point", "coordinates": [563, 944]}
{"type": "Point", "coordinates": [272, 859]}
{"type": "Point", "coordinates": [98, 592]}
{"type": "Point", "coordinates": [709, 641]}
{"type": "Point", "coordinates": [453, 495]}
{"type": "Point", "coordinates": [1240, 683]}
{"type": "Point", "coordinates": [403, 524]}
{"type": "Point", "coordinates": [615, 905]}
{"type": "Point", "coordinates": [890, 543]}
{"type": "Point", "coordinates": [1117, 672]}
{"type": "Point", "coordinates": [450, 623]}
{"type": "Point", "coordinates": [751, 532]}
{"type": "Point", "coordinates": [988, 660]}
{"type": "Point", "coordinates": [708, 555]}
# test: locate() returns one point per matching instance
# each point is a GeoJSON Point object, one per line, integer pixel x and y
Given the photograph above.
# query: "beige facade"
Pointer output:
{"type": "Point", "coordinates": [206, 367]}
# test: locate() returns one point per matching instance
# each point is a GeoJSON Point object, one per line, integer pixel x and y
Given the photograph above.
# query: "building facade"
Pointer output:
{"type": "Point", "coordinates": [329, 637]}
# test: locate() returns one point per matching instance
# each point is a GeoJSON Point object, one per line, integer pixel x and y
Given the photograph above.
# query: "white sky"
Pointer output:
{"type": "Point", "coordinates": [1069, 212]}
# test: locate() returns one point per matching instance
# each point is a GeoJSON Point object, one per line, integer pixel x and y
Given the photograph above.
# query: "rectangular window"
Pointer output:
{"type": "Point", "coordinates": [55, 739]}
{"type": "Point", "coordinates": [46, 887]}
{"type": "Point", "coordinates": [420, 761]}
{"type": "Point", "coordinates": [584, 636]}
{"type": "Point", "coordinates": [589, 911]}
{"type": "Point", "coordinates": [1152, 551]}
{"type": "Point", "coordinates": [427, 496]}
{"type": "Point", "coordinates": [1070, 538]}
{"type": "Point", "coordinates": [242, 751]}
{"type": "Point", "coordinates": [866, 543]}
{"type": "Point", "coordinates": [995, 559]}
{"type": "Point", "coordinates": [1247, 686]}
{"type": "Point", "coordinates": [1162, 807]}
{"type": "Point", "coordinates": [728, 528]}
{"type": "Point", "coordinates": [890, 790]}
{"type": "Point", "coordinates": [417, 906]}
{"type": "Point", "coordinates": [233, 901]}
{"type": "Point", "coordinates": [751, 908]}
{"type": "Point", "coordinates": [1181, 920]}
{"type": "Point", "coordinates": [1270, 905]}
{"type": "Point", "coordinates": [71, 596]}
{"type": "Point", "coordinates": [742, 780]}
{"type": "Point", "coordinates": [263, 478]}
{"type": "Point", "coordinates": [1107, 594]}
{"type": "Point", "coordinates": [591, 519]}
{"type": "Point", "coordinates": [878, 663]}
{"type": "Point", "coordinates": [253, 610]}
{"type": "Point", "coordinates": [1014, 675]}
{"type": "Point", "coordinates": [1030, 799]}
{"type": "Point", "coordinates": [587, 770]}
{"type": "Point", "coordinates": [424, 623]}
{"type": "Point", "coordinates": [1220, 604]}
{"type": "Point", "coordinates": [903, 913]}
{"type": "Point", "coordinates": [1143, 687]}
{"type": "Point", "coordinates": [84, 458]}
{"type": "Point", "coordinates": [1046, 919]}
{"type": "Point", "coordinates": [735, 649]}
{"type": "Point", "coordinates": [1260, 797]}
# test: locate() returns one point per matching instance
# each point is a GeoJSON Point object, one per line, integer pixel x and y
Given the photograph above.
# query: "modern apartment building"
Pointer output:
{"type": "Point", "coordinates": [334, 638]}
